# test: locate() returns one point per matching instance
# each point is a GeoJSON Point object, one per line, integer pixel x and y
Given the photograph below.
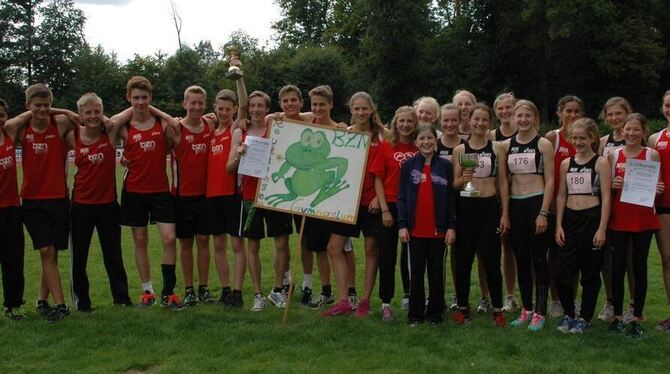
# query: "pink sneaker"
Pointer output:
{"type": "Point", "coordinates": [342, 307]}
{"type": "Point", "coordinates": [523, 319]}
{"type": "Point", "coordinates": [363, 308]}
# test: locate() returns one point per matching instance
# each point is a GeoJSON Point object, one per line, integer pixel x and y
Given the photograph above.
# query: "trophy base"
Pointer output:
{"type": "Point", "coordinates": [473, 193]}
{"type": "Point", "coordinates": [234, 74]}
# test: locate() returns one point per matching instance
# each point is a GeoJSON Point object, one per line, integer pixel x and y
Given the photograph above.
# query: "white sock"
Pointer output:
{"type": "Point", "coordinates": [307, 281]}
{"type": "Point", "coordinates": [386, 304]}
{"type": "Point", "coordinates": [287, 278]}
{"type": "Point", "coordinates": [147, 286]}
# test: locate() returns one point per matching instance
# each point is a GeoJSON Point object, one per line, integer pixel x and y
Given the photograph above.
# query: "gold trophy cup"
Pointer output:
{"type": "Point", "coordinates": [234, 72]}
{"type": "Point", "coordinates": [469, 161]}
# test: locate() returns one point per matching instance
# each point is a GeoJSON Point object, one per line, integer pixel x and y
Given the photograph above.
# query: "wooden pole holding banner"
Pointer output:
{"type": "Point", "coordinates": [291, 272]}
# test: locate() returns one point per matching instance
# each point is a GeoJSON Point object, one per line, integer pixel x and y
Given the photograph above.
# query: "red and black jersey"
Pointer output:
{"type": "Point", "coordinates": [220, 182]}
{"type": "Point", "coordinates": [146, 152]}
{"type": "Point", "coordinates": [44, 158]}
{"type": "Point", "coordinates": [189, 162]}
{"type": "Point", "coordinates": [95, 181]}
{"type": "Point", "coordinates": [9, 190]}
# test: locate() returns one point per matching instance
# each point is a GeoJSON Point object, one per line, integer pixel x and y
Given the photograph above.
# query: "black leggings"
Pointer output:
{"type": "Point", "coordinates": [530, 252]}
{"type": "Point", "coordinates": [641, 241]}
{"type": "Point", "coordinates": [477, 231]}
{"type": "Point", "coordinates": [426, 254]}
{"type": "Point", "coordinates": [105, 219]}
{"type": "Point", "coordinates": [579, 255]}
{"type": "Point", "coordinates": [387, 239]}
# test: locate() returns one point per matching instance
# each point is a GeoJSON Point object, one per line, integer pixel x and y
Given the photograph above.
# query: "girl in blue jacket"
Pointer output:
{"type": "Point", "coordinates": [426, 222]}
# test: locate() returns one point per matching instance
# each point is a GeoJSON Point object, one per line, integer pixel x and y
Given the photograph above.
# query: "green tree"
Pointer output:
{"type": "Point", "coordinates": [99, 72]}
{"type": "Point", "coordinates": [303, 22]}
{"type": "Point", "coordinates": [18, 39]}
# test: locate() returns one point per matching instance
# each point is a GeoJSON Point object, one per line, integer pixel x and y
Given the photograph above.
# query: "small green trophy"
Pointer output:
{"type": "Point", "coordinates": [234, 72]}
{"type": "Point", "coordinates": [469, 161]}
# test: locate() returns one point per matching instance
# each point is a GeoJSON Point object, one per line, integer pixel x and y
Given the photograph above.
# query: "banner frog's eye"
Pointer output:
{"type": "Point", "coordinates": [306, 138]}
{"type": "Point", "coordinates": [319, 138]}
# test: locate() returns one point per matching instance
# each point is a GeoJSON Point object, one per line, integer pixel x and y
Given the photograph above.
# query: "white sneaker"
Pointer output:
{"type": "Point", "coordinates": [578, 309]}
{"type": "Point", "coordinates": [277, 298]}
{"type": "Point", "coordinates": [259, 303]}
{"type": "Point", "coordinates": [484, 305]}
{"type": "Point", "coordinates": [628, 316]}
{"type": "Point", "coordinates": [556, 310]}
{"type": "Point", "coordinates": [510, 304]}
{"type": "Point", "coordinates": [607, 313]}
{"type": "Point", "coordinates": [454, 303]}
{"type": "Point", "coordinates": [404, 304]}
{"type": "Point", "coordinates": [321, 301]}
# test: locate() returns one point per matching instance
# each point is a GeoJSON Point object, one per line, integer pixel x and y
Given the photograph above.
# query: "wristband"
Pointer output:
{"type": "Point", "coordinates": [544, 213]}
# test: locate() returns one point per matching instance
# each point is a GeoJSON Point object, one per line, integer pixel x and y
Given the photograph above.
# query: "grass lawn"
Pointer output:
{"type": "Point", "coordinates": [211, 338]}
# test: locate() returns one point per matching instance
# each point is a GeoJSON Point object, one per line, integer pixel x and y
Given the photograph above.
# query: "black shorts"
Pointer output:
{"type": "Point", "coordinates": [47, 222]}
{"type": "Point", "coordinates": [278, 224]}
{"type": "Point", "coordinates": [139, 209]}
{"type": "Point", "coordinates": [662, 210]}
{"type": "Point", "coordinates": [224, 214]}
{"type": "Point", "coordinates": [366, 222]}
{"type": "Point", "coordinates": [11, 226]}
{"type": "Point", "coordinates": [191, 216]}
{"type": "Point", "coordinates": [316, 234]}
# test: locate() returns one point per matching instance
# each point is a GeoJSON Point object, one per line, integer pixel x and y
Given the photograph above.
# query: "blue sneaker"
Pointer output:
{"type": "Point", "coordinates": [565, 324]}
{"type": "Point", "coordinates": [580, 326]}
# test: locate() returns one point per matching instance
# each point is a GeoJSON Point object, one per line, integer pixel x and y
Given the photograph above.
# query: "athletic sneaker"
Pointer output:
{"type": "Point", "coordinates": [664, 325]}
{"type": "Point", "coordinates": [523, 319]}
{"type": "Point", "coordinates": [171, 301]}
{"type": "Point", "coordinates": [616, 327]}
{"type": "Point", "coordinates": [580, 326]}
{"type": "Point", "coordinates": [277, 299]}
{"type": "Point", "coordinates": [556, 310]}
{"type": "Point", "coordinates": [484, 305]}
{"type": "Point", "coordinates": [634, 330]}
{"type": "Point", "coordinates": [226, 297]}
{"type": "Point", "coordinates": [499, 320]}
{"type": "Point", "coordinates": [387, 313]}
{"type": "Point", "coordinates": [404, 303]}
{"type": "Point", "coordinates": [147, 299]}
{"type": "Point", "coordinates": [454, 303]}
{"type": "Point", "coordinates": [43, 308]}
{"type": "Point", "coordinates": [510, 304]}
{"type": "Point", "coordinates": [190, 299]}
{"type": "Point", "coordinates": [628, 316]}
{"type": "Point", "coordinates": [321, 301]}
{"type": "Point", "coordinates": [205, 297]}
{"type": "Point", "coordinates": [353, 300]}
{"type": "Point", "coordinates": [236, 299]}
{"type": "Point", "coordinates": [16, 313]}
{"type": "Point", "coordinates": [607, 313]}
{"type": "Point", "coordinates": [414, 323]}
{"type": "Point", "coordinates": [259, 303]}
{"type": "Point", "coordinates": [342, 307]}
{"type": "Point", "coordinates": [578, 308]}
{"type": "Point", "coordinates": [565, 324]}
{"type": "Point", "coordinates": [285, 289]}
{"type": "Point", "coordinates": [306, 296]}
{"type": "Point", "coordinates": [363, 309]}
{"type": "Point", "coordinates": [58, 312]}
{"type": "Point", "coordinates": [462, 317]}
{"type": "Point", "coordinates": [537, 323]}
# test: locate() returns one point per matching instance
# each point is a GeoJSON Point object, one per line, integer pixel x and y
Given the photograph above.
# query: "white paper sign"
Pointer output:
{"type": "Point", "coordinates": [254, 162]}
{"type": "Point", "coordinates": [639, 182]}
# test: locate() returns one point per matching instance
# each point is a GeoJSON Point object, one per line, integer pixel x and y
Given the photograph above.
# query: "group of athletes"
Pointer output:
{"type": "Point", "coordinates": [548, 206]}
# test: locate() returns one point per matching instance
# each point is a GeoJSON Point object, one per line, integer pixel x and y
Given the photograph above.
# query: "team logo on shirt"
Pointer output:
{"type": "Point", "coordinates": [621, 166]}
{"type": "Point", "coordinates": [577, 170]}
{"type": "Point", "coordinates": [40, 148]}
{"type": "Point", "coordinates": [563, 150]}
{"type": "Point", "coordinates": [30, 137]}
{"type": "Point", "coordinates": [49, 137]}
{"type": "Point", "coordinates": [83, 151]}
{"type": "Point", "coordinates": [400, 157]}
{"type": "Point", "coordinates": [199, 148]}
{"type": "Point", "coordinates": [137, 137]}
{"type": "Point", "coordinates": [189, 138]}
{"type": "Point", "coordinates": [7, 162]}
{"type": "Point", "coordinates": [217, 149]}
{"type": "Point", "coordinates": [662, 144]}
{"type": "Point", "coordinates": [148, 146]}
{"type": "Point", "coordinates": [96, 158]}
{"type": "Point", "coordinates": [155, 133]}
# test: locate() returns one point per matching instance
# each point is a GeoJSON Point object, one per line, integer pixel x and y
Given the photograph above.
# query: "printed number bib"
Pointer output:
{"type": "Point", "coordinates": [521, 163]}
{"type": "Point", "coordinates": [578, 183]}
{"type": "Point", "coordinates": [483, 170]}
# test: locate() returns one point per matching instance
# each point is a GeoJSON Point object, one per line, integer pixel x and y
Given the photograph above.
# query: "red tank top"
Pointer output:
{"type": "Point", "coordinates": [44, 159]}
{"type": "Point", "coordinates": [9, 190]}
{"type": "Point", "coordinates": [220, 182]}
{"type": "Point", "coordinates": [562, 149]}
{"type": "Point", "coordinates": [662, 145]}
{"type": "Point", "coordinates": [95, 181]}
{"type": "Point", "coordinates": [249, 184]}
{"type": "Point", "coordinates": [189, 162]}
{"type": "Point", "coordinates": [146, 152]}
{"type": "Point", "coordinates": [625, 216]}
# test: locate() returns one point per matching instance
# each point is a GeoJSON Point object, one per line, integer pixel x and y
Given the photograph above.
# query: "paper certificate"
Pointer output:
{"type": "Point", "coordinates": [639, 182]}
{"type": "Point", "coordinates": [254, 162]}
